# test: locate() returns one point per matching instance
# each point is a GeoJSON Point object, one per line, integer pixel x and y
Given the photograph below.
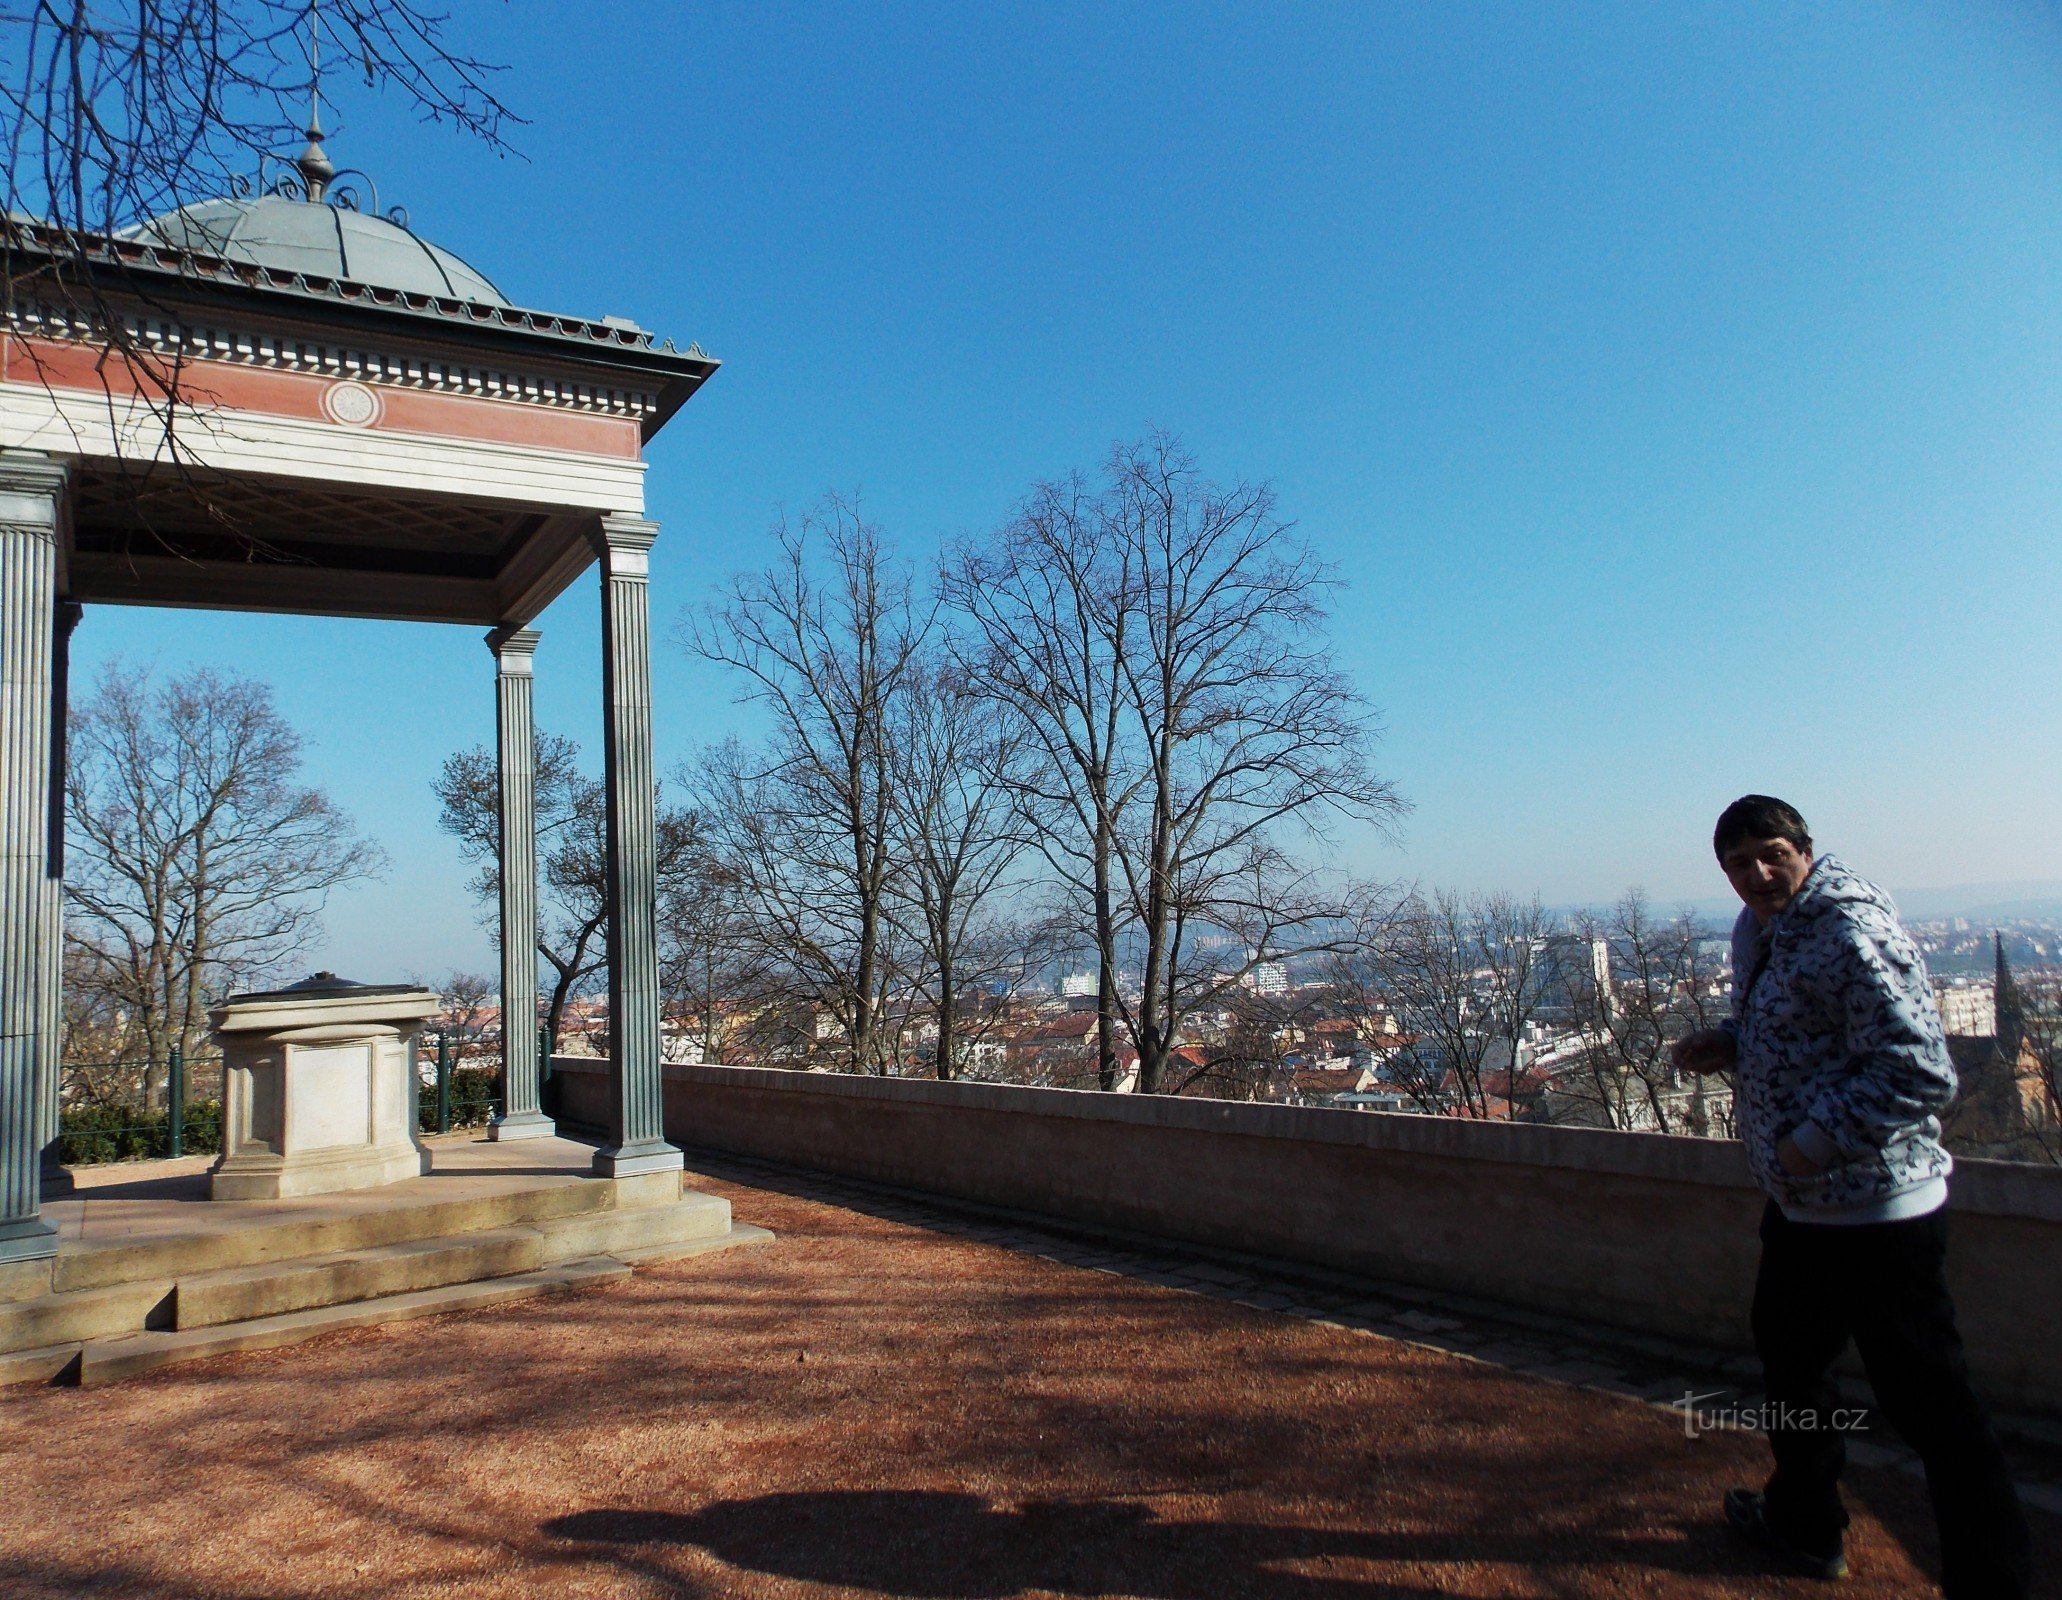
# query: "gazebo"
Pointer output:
{"type": "Point", "coordinates": [361, 425]}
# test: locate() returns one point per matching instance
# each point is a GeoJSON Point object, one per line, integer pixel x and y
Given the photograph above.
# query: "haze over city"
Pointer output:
{"type": "Point", "coordinates": [1672, 391]}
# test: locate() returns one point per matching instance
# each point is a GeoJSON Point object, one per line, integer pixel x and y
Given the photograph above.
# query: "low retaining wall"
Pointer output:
{"type": "Point", "coordinates": [1645, 1231]}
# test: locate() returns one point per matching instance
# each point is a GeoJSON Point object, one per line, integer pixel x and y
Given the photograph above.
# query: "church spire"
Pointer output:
{"type": "Point", "coordinates": [2011, 1005]}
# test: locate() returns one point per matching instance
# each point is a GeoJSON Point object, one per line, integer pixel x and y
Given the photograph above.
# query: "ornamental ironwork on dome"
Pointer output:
{"type": "Point", "coordinates": [308, 223]}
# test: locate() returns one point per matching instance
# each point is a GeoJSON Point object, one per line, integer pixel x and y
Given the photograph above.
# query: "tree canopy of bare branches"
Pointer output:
{"type": "Point", "coordinates": [118, 112]}
{"type": "Point", "coordinates": [196, 861]}
{"type": "Point", "coordinates": [828, 640]}
{"type": "Point", "coordinates": [2037, 1022]}
{"type": "Point", "coordinates": [956, 765]}
{"type": "Point", "coordinates": [572, 858]}
{"type": "Point", "coordinates": [1462, 977]}
{"type": "Point", "coordinates": [1634, 983]}
{"type": "Point", "coordinates": [1162, 636]}
{"type": "Point", "coordinates": [1052, 600]}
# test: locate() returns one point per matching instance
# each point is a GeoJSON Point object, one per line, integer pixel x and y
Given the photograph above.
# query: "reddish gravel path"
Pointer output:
{"type": "Point", "coordinates": [871, 1408]}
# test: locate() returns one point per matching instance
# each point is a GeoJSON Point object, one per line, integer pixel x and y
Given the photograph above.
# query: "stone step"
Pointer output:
{"type": "Point", "coordinates": [324, 1226]}
{"type": "Point", "coordinates": [740, 1236]}
{"type": "Point", "coordinates": [54, 1319]}
{"type": "Point", "coordinates": [99, 1361]}
{"type": "Point", "coordinates": [692, 1216]}
{"type": "Point", "coordinates": [110, 1360]}
{"type": "Point", "coordinates": [243, 1294]}
{"type": "Point", "coordinates": [577, 1221]}
{"type": "Point", "coordinates": [52, 1364]}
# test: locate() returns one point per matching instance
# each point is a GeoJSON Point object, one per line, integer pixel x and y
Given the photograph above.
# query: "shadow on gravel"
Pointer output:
{"type": "Point", "coordinates": [934, 1544]}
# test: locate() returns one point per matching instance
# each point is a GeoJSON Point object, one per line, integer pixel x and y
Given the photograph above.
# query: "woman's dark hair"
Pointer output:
{"type": "Point", "coordinates": [1759, 816]}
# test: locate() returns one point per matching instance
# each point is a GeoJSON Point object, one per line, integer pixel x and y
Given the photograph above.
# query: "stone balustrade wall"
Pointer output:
{"type": "Point", "coordinates": [1649, 1232]}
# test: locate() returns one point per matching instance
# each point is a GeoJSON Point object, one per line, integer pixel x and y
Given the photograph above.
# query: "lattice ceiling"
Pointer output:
{"type": "Point", "coordinates": [178, 505]}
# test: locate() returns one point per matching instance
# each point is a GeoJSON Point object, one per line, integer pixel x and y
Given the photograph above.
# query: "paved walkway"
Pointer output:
{"type": "Point", "coordinates": [1707, 1389]}
{"type": "Point", "coordinates": [898, 1399]}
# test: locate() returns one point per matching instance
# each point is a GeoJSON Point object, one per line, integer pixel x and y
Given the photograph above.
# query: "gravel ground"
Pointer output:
{"type": "Point", "coordinates": [875, 1406]}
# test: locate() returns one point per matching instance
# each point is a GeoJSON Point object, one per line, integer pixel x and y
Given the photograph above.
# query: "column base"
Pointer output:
{"type": "Point", "coordinates": [27, 1239]}
{"type": "Point", "coordinates": [55, 1178]}
{"type": "Point", "coordinates": [629, 1160]}
{"type": "Point", "coordinates": [521, 1125]}
{"type": "Point", "coordinates": [266, 1175]}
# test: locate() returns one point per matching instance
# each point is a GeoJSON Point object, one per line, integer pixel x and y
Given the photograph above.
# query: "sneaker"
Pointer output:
{"type": "Point", "coordinates": [1746, 1513]}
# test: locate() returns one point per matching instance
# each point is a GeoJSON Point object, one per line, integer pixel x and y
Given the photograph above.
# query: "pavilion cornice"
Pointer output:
{"type": "Point", "coordinates": [177, 300]}
{"type": "Point", "coordinates": [401, 363]}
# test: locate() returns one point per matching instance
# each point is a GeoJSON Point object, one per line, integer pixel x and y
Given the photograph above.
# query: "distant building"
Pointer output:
{"type": "Point", "coordinates": [1269, 977]}
{"type": "Point", "coordinates": [980, 1057]}
{"type": "Point", "coordinates": [2004, 1107]}
{"type": "Point", "coordinates": [1968, 1009]}
{"type": "Point", "coordinates": [680, 1046]}
{"type": "Point", "coordinates": [1076, 985]}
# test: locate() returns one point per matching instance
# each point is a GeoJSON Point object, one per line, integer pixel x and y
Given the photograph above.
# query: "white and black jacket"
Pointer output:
{"type": "Point", "coordinates": [1841, 1047]}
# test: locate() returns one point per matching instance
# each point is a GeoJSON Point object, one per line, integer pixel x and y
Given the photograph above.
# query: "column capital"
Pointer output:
{"type": "Point", "coordinates": [514, 648]}
{"type": "Point", "coordinates": [30, 487]}
{"type": "Point", "coordinates": [624, 544]}
{"type": "Point", "coordinates": [69, 613]}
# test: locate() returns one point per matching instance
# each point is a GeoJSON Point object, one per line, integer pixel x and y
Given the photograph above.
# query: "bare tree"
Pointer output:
{"type": "Point", "coordinates": [829, 645]}
{"type": "Point", "coordinates": [1163, 638]}
{"type": "Point", "coordinates": [1463, 977]}
{"type": "Point", "coordinates": [1241, 726]}
{"type": "Point", "coordinates": [572, 859]}
{"type": "Point", "coordinates": [1053, 599]}
{"type": "Point", "coordinates": [195, 861]}
{"type": "Point", "coordinates": [102, 1052]}
{"type": "Point", "coordinates": [2040, 1038]}
{"type": "Point", "coordinates": [467, 1016]}
{"type": "Point", "coordinates": [956, 768]}
{"type": "Point", "coordinates": [1256, 1045]}
{"type": "Point", "coordinates": [1634, 983]}
{"type": "Point", "coordinates": [2007, 1107]}
{"type": "Point", "coordinates": [718, 981]}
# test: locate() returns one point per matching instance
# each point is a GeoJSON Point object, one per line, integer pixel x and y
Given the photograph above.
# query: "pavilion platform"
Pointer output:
{"type": "Point", "coordinates": [150, 1271]}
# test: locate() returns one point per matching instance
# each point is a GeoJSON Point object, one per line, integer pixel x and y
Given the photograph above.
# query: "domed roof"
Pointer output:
{"type": "Point", "coordinates": [319, 241]}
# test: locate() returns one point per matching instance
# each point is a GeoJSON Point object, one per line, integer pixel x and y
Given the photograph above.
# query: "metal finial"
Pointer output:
{"type": "Point", "coordinates": [314, 162]}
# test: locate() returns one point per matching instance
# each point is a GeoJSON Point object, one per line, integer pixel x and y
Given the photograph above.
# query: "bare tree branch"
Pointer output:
{"type": "Point", "coordinates": [194, 861]}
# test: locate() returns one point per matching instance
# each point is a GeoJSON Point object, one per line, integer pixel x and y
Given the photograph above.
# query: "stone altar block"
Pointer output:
{"type": "Point", "coordinates": [319, 1088]}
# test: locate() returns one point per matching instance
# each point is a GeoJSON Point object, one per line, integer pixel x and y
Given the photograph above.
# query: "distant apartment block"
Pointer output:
{"type": "Point", "coordinates": [1969, 1010]}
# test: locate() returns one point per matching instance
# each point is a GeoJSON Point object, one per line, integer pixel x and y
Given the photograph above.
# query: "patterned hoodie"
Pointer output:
{"type": "Point", "coordinates": [1840, 1045]}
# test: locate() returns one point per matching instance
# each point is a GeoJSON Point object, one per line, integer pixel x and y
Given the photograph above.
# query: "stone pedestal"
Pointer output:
{"type": "Point", "coordinates": [319, 1088]}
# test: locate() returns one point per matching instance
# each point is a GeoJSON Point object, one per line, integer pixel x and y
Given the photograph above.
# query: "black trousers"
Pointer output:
{"type": "Point", "coordinates": [1884, 1286]}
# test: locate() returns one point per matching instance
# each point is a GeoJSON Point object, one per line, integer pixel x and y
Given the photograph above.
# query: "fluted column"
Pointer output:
{"type": "Point", "coordinates": [637, 1123]}
{"type": "Point", "coordinates": [56, 1179]}
{"type": "Point", "coordinates": [30, 492]}
{"type": "Point", "coordinates": [515, 650]}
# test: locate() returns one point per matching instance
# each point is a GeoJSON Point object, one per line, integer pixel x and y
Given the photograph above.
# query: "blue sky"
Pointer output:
{"type": "Point", "coordinates": [1678, 389]}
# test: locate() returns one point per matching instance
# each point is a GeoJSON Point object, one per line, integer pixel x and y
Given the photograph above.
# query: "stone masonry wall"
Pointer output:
{"type": "Point", "coordinates": [1645, 1231]}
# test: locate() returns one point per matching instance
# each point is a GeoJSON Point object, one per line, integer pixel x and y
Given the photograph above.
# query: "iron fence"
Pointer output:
{"type": "Point", "coordinates": [139, 1109]}
{"type": "Point", "coordinates": [106, 1111]}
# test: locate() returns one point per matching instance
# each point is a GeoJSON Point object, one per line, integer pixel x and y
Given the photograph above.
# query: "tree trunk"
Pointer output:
{"type": "Point", "coordinates": [1105, 967]}
{"type": "Point", "coordinates": [1156, 999]}
{"type": "Point", "coordinates": [945, 1018]}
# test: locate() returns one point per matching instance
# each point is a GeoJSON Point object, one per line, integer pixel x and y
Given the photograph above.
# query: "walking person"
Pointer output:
{"type": "Point", "coordinates": [1840, 1070]}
